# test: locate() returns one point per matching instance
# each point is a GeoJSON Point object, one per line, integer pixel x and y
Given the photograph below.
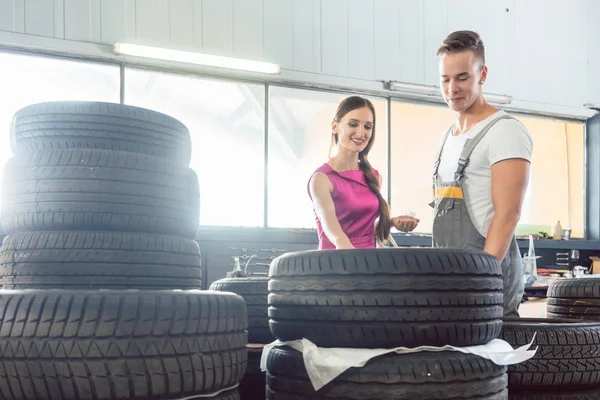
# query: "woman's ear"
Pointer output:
{"type": "Point", "coordinates": [334, 127]}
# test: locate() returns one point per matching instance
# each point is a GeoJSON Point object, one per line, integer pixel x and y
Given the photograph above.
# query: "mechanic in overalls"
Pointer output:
{"type": "Point", "coordinates": [482, 169]}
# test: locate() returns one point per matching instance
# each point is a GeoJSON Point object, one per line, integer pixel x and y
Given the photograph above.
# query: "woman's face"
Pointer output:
{"type": "Point", "coordinates": [355, 129]}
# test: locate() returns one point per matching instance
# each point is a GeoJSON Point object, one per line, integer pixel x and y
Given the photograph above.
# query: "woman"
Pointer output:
{"type": "Point", "coordinates": [345, 190]}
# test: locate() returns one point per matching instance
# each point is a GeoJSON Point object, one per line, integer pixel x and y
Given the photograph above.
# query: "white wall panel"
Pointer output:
{"type": "Point", "coordinates": [317, 37]}
{"type": "Point", "coordinates": [435, 27]}
{"type": "Point", "coordinates": [181, 24]}
{"type": "Point", "coordinates": [544, 51]}
{"type": "Point", "coordinates": [248, 29]}
{"type": "Point", "coordinates": [59, 19]}
{"type": "Point", "coordinates": [551, 47]}
{"type": "Point", "coordinates": [494, 21]}
{"type": "Point", "coordinates": [12, 15]}
{"type": "Point", "coordinates": [152, 22]}
{"type": "Point", "coordinates": [306, 45]}
{"type": "Point", "coordinates": [386, 41]}
{"type": "Point", "coordinates": [412, 37]}
{"type": "Point", "coordinates": [19, 15]}
{"type": "Point", "coordinates": [7, 15]}
{"type": "Point", "coordinates": [303, 30]}
{"type": "Point", "coordinates": [278, 32]}
{"type": "Point", "coordinates": [334, 37]}
{"type": "Point", "coordinates": [39, 17]}
{"type": "Point", "coordinates": [361, 55]}
{"type": "Point", "coordinates": [115, 19]}
{"type": "Point", "coordinates": [198, 34]}
{"type": "Point", "coordinates": [217, 27]}
{"type": "Point", "coordinates": [82, 20]}
{"type": "Point", "coordinates": [593, 51]}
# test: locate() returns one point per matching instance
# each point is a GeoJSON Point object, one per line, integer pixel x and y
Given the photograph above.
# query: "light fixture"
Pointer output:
{"type": "Point", "coordinates": [498, 98]}
{"type": "Point", "coordinates": [190, 57]}
{"type": "Point", "coordinates": [592, 106]}
{"type": "Point", "coordinates": [414, 89]}
{"type": "Point", "coordinates": [433, 92]}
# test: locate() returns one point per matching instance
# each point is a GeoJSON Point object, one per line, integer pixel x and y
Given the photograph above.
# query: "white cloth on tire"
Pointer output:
{"type": "Point", "coordinates": [325, 364]}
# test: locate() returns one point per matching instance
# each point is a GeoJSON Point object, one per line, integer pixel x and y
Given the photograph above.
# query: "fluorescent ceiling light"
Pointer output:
{"type": "Point", "coordinates": [498, 98]}
{"type": "Point", "coordinates": [414, 89]}
{"type": "Point", "coordinates": [195, 58]}
{"type": "Point", "coordinates": [592, 106]}
{"type": "Point", "coordinates": [424, 91]}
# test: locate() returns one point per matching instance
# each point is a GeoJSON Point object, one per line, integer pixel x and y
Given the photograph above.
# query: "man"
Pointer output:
{"type": "Point", "coordinates": [482, 169]}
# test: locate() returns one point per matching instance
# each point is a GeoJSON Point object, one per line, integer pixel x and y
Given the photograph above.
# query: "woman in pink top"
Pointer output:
{"type": "Point", "coordinates": [345, 190]}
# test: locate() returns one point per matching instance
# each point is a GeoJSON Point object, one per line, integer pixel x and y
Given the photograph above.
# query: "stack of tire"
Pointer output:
{"type": "Point", "coordinates": [387, 298]}
{"type": "Point", "coordinates": [567, 363]}
{"type": "Point", "coordinates": [254, 290]}
{"type": "Point", "coordinates": [576, 298]}
{"type": "Point", "coordinates": [99, 271]}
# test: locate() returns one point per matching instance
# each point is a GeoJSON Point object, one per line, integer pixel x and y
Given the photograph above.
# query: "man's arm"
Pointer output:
{"type": "Point", "coordinates": [509, 183]}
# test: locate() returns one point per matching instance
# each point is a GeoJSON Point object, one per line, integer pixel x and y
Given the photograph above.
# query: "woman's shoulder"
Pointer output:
{"type": "Point", "coordinates": [324, 169]}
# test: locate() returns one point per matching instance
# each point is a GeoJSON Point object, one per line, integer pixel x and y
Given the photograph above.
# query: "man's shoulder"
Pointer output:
{"type": "Point", "coordinates": [508, 129]}
{"type": "Point", "coordinates": [511, 123]}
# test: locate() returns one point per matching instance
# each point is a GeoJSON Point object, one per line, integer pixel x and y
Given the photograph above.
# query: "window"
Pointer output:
{"type": "Point", "coordinates": [226, 123]}
{"type": "Point", "coordinates": [416, 134]}
{"type": "Point", "coordinates": [299, 138]}
{"type": "Point", "coordinates": [556, 187]}
{"type": "Point", "coordinates": [26, 79]}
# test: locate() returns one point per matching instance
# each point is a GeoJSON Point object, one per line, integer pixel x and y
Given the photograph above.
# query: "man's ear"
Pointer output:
{"type": "Point", "coordinates": [484, 72]}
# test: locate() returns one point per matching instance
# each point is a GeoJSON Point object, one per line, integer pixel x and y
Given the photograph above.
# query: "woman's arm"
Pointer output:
{"type": "Point", "coordinates": [320, 191]}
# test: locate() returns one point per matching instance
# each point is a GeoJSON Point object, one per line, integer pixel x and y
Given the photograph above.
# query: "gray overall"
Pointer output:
{"type": "Point", "coordinates": [453, 227]}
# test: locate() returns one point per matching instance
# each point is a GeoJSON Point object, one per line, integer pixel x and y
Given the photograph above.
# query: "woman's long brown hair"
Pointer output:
{"type": "Point", "coordinates": [350, 104]}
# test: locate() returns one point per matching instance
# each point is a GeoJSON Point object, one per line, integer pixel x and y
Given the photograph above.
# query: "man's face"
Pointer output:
{"type": "Point", "coordinates": [461, 77]}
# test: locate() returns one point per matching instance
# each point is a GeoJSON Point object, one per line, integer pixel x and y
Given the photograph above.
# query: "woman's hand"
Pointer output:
{"type": "Point", "coordinates": [343, 243]}
{"type": "Point", "coordinates": [405, 223]}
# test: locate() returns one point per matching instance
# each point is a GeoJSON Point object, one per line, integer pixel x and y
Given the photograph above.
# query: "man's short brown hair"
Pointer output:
{"type": "Point", "coordinates": [460, 41]}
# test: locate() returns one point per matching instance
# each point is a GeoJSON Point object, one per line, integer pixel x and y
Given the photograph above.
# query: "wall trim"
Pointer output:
{"type": "Point", "coordinates": [103, 53]}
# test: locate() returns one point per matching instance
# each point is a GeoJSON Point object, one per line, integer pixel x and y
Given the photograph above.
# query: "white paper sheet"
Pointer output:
{"type": "Point", "coordinates": [325, 364]}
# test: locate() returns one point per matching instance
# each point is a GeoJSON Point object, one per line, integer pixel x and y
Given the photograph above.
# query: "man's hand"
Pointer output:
{"type": "Point", "coordinates": [405, 223]}
{"type": "Point", "coordinates": [509, 183]}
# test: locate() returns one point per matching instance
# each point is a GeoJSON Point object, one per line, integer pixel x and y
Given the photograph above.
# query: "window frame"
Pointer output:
{"type": "Point", "coordinates": [590, 200]}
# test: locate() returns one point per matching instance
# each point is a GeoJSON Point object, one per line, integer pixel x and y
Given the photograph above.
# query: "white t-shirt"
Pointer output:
{"type": "Point", "coordinates": [507, 138]}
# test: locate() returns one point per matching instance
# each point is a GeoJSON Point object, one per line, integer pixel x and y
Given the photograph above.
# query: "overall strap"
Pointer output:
{"type": "Point", "coordinates": [438, 158]}
{"type": "Point", "coordinates": [470, 145]}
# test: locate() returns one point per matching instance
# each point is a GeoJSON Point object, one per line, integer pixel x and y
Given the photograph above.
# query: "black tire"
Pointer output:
{"type": "Point", "coordinates": [569, 394]}
{"type": "Point", "coordinates": [99, 190]}
{"type": "Point", "coordinates": [255, 291]}
{"type": "Point", "coordinates": [252, 386]}
{"type": "Point", "coordinates": [76, 345]}
{"type": "Point", "coordinates": [575, 288]}
{"type": "Point", "coordinates": [229, 395]}
{"type": "Point", "coordinates": [579, 318]}
{"type": "Point", "coordinates": [567, 356]}
{"type": "Point", "coordinates": [97, 125]}
{"type": "Point", "coordinates": [99, 260]}
{"type": "Point", "coordinates": [385, 298]}
{"type": "Point", "coordinates": [226, 395]}
{"type": "Point", "coordinates": [577, 298]}
{"type": "Point", "coordinates": [425, 375]}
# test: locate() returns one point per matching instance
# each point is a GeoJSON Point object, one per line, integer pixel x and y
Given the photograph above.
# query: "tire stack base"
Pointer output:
{"type": "Point", "coordinates": [255, 291]}
{"type": "Point", "coordinates": [100, 274]}
{"type": "Point", "coordinates": [387, 298]}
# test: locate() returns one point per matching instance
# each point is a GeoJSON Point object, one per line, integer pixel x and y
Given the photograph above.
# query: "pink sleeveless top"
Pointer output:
{"type": "Point", "coordinates": [356, 207]}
